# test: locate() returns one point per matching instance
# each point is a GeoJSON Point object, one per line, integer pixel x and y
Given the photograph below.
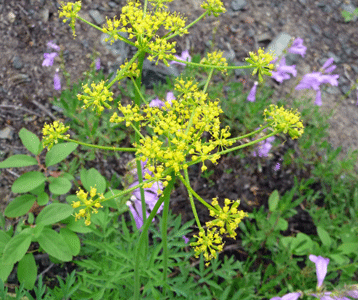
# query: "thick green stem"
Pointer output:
{"type": "Point", "coordinates": [191, 199]}
{"type": "Point", "coordinates": [144, 234]}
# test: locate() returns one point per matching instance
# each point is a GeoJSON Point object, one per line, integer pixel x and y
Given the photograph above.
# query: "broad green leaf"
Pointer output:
{"type": "Point", "coordinates": [28, 182]}
{"type": "Point", "coordinates": [78, 226]}
{"type": "Point", "coordinates": [39, 190]}
{"type": "Point", "coordinates": [339, 259]}
{"type": "Point", "coordinates": [42, 199]}
{"type": "Point", "coordinates": [348, 248]}
{"type": "Point", "coordinates": [4, 239]}
{"type": "Point", "coordinates": [30, 141]}
{"type": "Point", "coordinates": [54, 244]}
{"type": "Point", "coordinates": [59, 152]}
{"type": "Point", "coordinates": [19, 160]}
{"type": "Point", "coordinates": [16, 248]}
{"type": "Point", "coordinates": [72, 240]}
{"type": "Point", "coordinates": [324, 236]}
{"type": "Point", "coordinates": [5, 270]}
{"type": "Point", "coordinates": [302, 244]}
{"type": "Point", "coordinates": [59, 185]}
{"type": "Point", "coordinates": [273, 201]}
{"type": "Point", "coordinates": [27, 271]}
{"type": "Point", "coordinates": [20, 206]}
{"type": "Point", "coordinates": [54, 213]}
{"type": "Point", "coordinates": [92, 178]}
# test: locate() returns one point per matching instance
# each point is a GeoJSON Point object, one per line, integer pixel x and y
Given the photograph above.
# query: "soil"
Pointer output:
{"type": "Point", "coordinates": [26, 88]}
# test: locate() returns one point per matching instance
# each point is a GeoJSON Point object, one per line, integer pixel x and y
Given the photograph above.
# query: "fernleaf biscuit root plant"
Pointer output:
{"type": "Point", "coordinates": [180, 129]}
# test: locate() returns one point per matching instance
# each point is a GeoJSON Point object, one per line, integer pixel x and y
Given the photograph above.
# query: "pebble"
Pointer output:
{"type": "Point", "coordinates": [6, 133]}
{"type": "Point", "coordinates": [17, 63]}
{"type": "Point", "coordinates": [97, 17]}
{"type": "Point", "coordinates": [279, 43]}
{"type": "Point", "coordinates": [238, 5]}
{"type": "Point", "coordinates": [350, 8]}
{"type": "Point", "coordinates": [316, 29]}
{"type": "Point", "coordinates": [119, 49]}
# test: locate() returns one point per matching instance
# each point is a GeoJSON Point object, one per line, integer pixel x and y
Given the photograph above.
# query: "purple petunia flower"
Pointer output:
{"type": "Point", "coordinates": [53, 46]}
{"type": "Point", "coordinates": [98, 64]}
{"type": "Point", "coordinates": [315, 79]}
{"type": "Point", "coordinates": [282, 71]}
{"type": "Point", "coordinates": [252, 95]}
{"type": "Point", "coordinates": [57, 81]}
{"type": "Point", "coordinates": [48, 59]}
{"type": "Point", "coordinates": [290, 296]}
{"type": "Point", "coordinates": [184, 56]}
{"type": "Point", "coordinates": [297, 47]}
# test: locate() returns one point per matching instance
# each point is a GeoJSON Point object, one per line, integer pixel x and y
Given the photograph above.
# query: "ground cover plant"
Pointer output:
{"type": "Point", "coordinates": [121, 258]}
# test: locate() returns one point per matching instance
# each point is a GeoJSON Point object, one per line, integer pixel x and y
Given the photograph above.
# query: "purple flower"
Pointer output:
{"type": "Point", "coordinates": [252, 95]}
{"type": "Point", "coordinates": [315, 79]}
{"type": "Point", "coordinates": [353, 293]}
{"type": "Point", "coordinates": [98, 64]}
{"type": "Point", "coordinates": [184, 56]}
{"type": "Point", "coordinates": [264, 147]}
{"type": "Point", "coordinates": [290, 296]}
{"type": "Point", "coordinates": [282, 71]}
{"type": "Point", "coordinates": [53, 46]}
{"type": "Point", "coordinates": [321, 267]}
{"type": "Point", "coordinates": [327, 68]}
{"type": "Point", "coordinates": [277, 167]}
{"type": "Point", "coordinates": [48, 59]}
{"type": "Point", "coordinates": [57, 81]}
{"type": "Point", "coordinates": [159, 103]}
{"type": "Point", "coordinates": [357, 96]}
{"type": "Point", "coordinates": [297, 47]}
{"type": "Point", "coordinates": [186, 240]}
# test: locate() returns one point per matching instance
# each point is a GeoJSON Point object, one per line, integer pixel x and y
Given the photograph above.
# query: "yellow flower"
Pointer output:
{"type": "Point", "coordinates": [51, 134]}
{"type": "Point", "coordinates": [261, 62]}
{"type": "Point", "coordinates": [70, 10]}
{"type": "Point", "coordinates": [214, 6]}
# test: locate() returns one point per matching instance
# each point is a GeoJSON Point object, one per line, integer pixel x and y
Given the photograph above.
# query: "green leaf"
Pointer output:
{"type": "Point", "coordinates": [302, 244]}
{"type": "Point", "coordinates": [324, 236]}
{"type": "Point", "coordinates": [59, 152]}
{"type": "Point", "coordinates": [72, 240]}
{"type": "Point", "coordinates": [54, 244]}
{"type": "Point", "coordinates": [348, 248]}
{"type": "Point", "coordinates": [59, 185]}
{"type": "Point", "coordinates": [5, 270]}
{"type": "Point", "coordinates": [28, 182]}
{"type": "Point", "coordinates": [27, 271]}
{"type": "Point", "coordinates": [78, 226]}
{"type": "Point", "coordinates": [92, 178]}
{"type": "Point", "coordinates": [54, 213]}
{"type": "Point", "coordinates": [19, 160]}
{"type": "Point", "coordinates": [42, 199]}
{"type": "Point", "coordinates": [20, 206]}
{"type": "Point", "coordinates": [16, 248]}
{"type": "Point", "coordinates": [30, 141]}
{"type": "Point", "coordinates": [4, 239]}
{"type": "Point", "coordinates": [273, 200]}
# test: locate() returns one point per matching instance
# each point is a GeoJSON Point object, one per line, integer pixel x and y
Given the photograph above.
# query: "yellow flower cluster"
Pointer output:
{"type": "Point", "coordinates": [284, 120]}
{"type": "Point", "coordinates": [215, 59]}
{"type": "Point", "coordinates": [226, 219]}
{"type": "Point", "coordinates": [261, 62]}
{"type": "Point", "coordinates": [90, 205]}
{"type": "Point", "coordinates": [70, 10]}
{"type": "Point", "coordinates": [159, 3]}
{"type": "Point", "coordinates": [51, 134]}
{"type": "Point", "coordinates": [208, 243]}
{"type": "Point", "coordinates": [144, 28]}
{"type": "Point", "coordinates": [178, 130]}
{"type": "Point", "coordinates": [132, 71]}
{"type": "Point", "coordinates": [97, 97]}
{"type": "Point", "coordinates": [214, 6]}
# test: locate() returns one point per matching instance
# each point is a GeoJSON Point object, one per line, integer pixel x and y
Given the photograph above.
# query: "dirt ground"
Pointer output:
{"type": "Point", "coordinates": [26, 87]}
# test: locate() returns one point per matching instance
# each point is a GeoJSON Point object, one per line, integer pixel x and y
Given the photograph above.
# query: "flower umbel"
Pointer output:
{"type": "Point", "coordinates": [90, 205]}
{"type": "Point", "coordinates": [70, 11]}
{"type": "Point", "coordinates": [208, 244]}
{"type": "Point", "coordinates": [97, 97]}
{"type": "Point", "coordinates": [284, 120]}
{"type": "Point", "coordinates": [262, 63]}
{"type": "Point", "coordinates": [51, 134]}
{"type": "Point", "coordinates": [215, 7]}
{"type": "Point", "coordinates": [227, 218]}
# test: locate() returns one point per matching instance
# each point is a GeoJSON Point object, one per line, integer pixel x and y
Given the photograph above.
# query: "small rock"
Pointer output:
{"type": "Point", "coordinates": [349, 8]}
{"type": "Point", "coordinates": [337, 59]}
{"type": "Point", "coordinates": [44, 14]}
{"type": "Point", "coordinates": [355, 68]}
{"type": "Point", "coordinates": [112, 4]}
{"type": "Point", "coordinates": [238, 5]}
{"type": "Point", "coordinates": [11, 17]}
{"type": "Point", "coordinates": [229, 55]}
{"type": "Point", "coordinates": [302, 2]}
{"type": "Point", "coordinates": [316, 29]}
{"type": "Point", "coordinates": [118, 48]}
{"type": "Point", "coordinates": [279, 43]}
{"type": "Point", "coordinates": [264, 37]}
{"type": "Point", "coordinates": [17, 63]}
{"type": "Point", "coordinates": [97, 17]}
{"type": "Point", "coordinates": [250, 32]}
{"type": "Point", "coordinates": [6, 133]}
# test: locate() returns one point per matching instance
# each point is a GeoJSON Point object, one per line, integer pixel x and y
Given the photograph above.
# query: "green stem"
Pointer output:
{"type": "Point", "coordinates": [208, 80]}
{"type": "Point", "coordinates": [191, 199]}
{"type": "Point", "coordinates": [145, 227]}
{"type": "Point", "coordinates": [102, 147]}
